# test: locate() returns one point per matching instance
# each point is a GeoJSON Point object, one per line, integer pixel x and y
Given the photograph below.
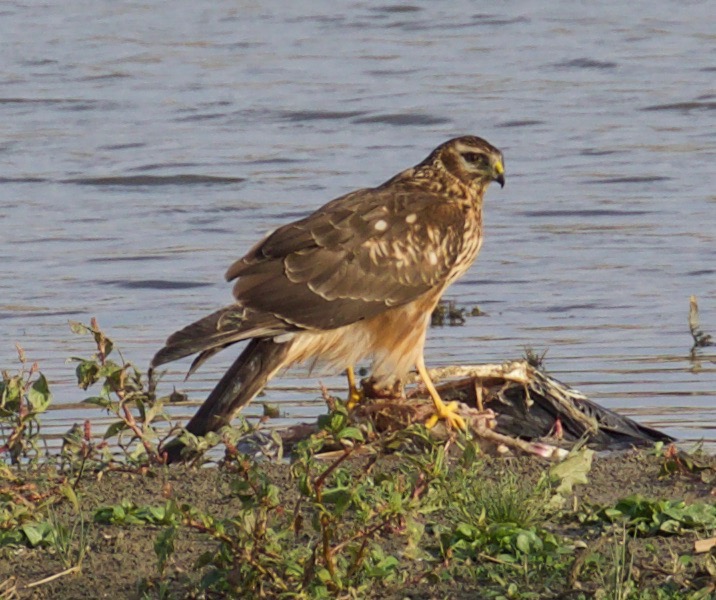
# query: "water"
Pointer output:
{"type": "Point", "coordinates": [145, 146]}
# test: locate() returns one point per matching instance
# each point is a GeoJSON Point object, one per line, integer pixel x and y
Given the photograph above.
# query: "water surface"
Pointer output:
{"type": "Point", "coordinates": [145, 146]}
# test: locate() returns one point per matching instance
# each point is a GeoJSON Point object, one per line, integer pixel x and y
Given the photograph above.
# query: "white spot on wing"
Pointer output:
{"type": "Point", "coordinates": [433, 258]}
{"type": "Point", "coordinates": [381, 225]}
{"type": "Point", "coordinates": [411, 218]}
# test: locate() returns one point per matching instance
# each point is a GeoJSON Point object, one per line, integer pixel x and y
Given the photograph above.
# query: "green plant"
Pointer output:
{"type": "Point", "coordinates": [497, 519]}
{"type": "Point", "coordinates": [694, 462]}
{"type": "Point", "coordinates": [341, 512]}
{"type": "Point", "coordinates": [651, 517]}
{"type": "Point", "coordinates": [69, 543]}
{"type": "Point", "coordinates": [27, 516]}
{"type": "Point", "coordinates": [618, 581]}
{"type": "Point", "coordinates": [24, 396]}
{"type": "Point", "coordinates": [123, 388]}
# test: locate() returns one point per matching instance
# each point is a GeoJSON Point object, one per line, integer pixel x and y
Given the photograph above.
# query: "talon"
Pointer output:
{"type": "Point", "coordinates": [432, 421]}
{"type": "Point", "coordinates": [447, 413]}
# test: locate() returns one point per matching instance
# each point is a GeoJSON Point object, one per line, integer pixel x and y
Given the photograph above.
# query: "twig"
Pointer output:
{"type": "Point", "coordinates": [497, 560]}
{"type": "Point", "coordinates": [359, 557]}
{"type": "Point", "coordinates": [75, 569]}
{"type": "Point", "coordinates": [326, 545]}
{"type": "Point", "coordinates": [8, 589]}
{"type": "Point", "coordinates": [364, 535]}
{"type": "Point", "coordinates": [543, 450]}
{"type": "Point", "coordinates": [152, 454]}
{"type": "Point", "coordinates": [318, 482]}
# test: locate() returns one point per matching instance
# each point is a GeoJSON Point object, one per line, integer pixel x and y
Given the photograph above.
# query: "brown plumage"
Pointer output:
{"type": "Point", "coordinates": [357, 278]}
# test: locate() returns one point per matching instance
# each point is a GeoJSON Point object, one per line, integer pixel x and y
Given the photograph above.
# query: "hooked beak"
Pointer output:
{"type": "Point", "coordinates": [499, 173]}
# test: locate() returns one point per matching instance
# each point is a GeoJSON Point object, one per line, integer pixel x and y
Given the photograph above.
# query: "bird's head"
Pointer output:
{"type": "Point", "coordinates": [471, 160]}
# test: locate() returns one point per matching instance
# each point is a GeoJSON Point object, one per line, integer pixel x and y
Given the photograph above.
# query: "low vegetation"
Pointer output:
{"type": "Point", "coordinates": [354, 515]}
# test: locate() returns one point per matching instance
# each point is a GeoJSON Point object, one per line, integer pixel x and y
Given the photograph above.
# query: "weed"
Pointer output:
{"type": "Point", "coordinates": [447, 312]}
{"type": "Point", "coordinates": [650, 517]}
{"type": "Point", "coordinates": [701, 340]}
{"type": "Point", "coordinates": [123, 388]}
{"type": "Point", "coordinates": [618, 581]}
{"type": "Point", "coordinates": [497, 519]}
{"type": "Point", "coordinates": [694, 463]}
{"type": "Point", "coordinates": [23, 398]}
{"type": "Point", "coordinates": [70, 543]}
{"type": "Point", "coordinates": [363, 515]}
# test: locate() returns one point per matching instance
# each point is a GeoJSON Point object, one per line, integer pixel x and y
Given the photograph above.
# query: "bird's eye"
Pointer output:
{"type": "Point", "coordinates": [474, 157]}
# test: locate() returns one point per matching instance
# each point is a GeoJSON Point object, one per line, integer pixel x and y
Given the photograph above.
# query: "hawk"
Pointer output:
{"type": "Point", "coordinates": [358, 278]}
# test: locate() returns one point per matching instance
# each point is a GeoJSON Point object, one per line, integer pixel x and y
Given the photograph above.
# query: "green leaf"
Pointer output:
{"type": "Point", "coordinates": [350, 433]}
{"type": "Point", "coordinates": [114, 429]}
{"type": "Point", "coordinates": [157, 513]}
{"type": "Point", "coordinates": [164, 546]}
{"type": "Point", "coordinates": [79, 328]}
{"type": "Point", "coordinates": [142, 410]}
{"type": "Point", "coordinates": [12, 390]}
{"type": "Point", "coordinates": [573, 470]}
{"type": "Point", "coordinates": [36, 533]}
{"type": "Point", "coordinates": [340, 497]}
{"type": "Point", "coordinates": [87, 373]}
{"type": "Point", "coordinates": [112, 371]}
{"type": "Point", "coordinates": [670, 526]}
{"type": "Point", "coordinates": [383, 568]}
{"type": "Point", "coordinates": [98, 401]}
{"type": "Point", "coordinates": [523, 543]}
{"type": "Point", "coordinates": [305, 484]}
{"type": "Point", "coordinates": [69, 493]}
{"type": "Point", "coordinates": [271, 411]}
{"type": "Point", "coordinates": [466, 531]}
{"type": "Point", "coordinates": [39, 394]}
{"type": "Point", "coordinates": [613, 514]}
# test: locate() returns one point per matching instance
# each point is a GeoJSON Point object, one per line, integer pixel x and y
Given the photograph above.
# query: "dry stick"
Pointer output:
{"type": "Point", "coordinates": [489, 434]}
{"type": "Point", "coordinates": [498, 561]}
{"type": "Point", "coordinates": [8, 589]}
{"type": "Point", "coordinates": [319, 481]}
{"type": "Point", "coordinates": [75, 569]}
{"type": "Point", "coordinates": [478, 395]}
{"type": "Point", "coordinates": [364, 543]}
{"type": "Point", "coordinates": [365, 535]}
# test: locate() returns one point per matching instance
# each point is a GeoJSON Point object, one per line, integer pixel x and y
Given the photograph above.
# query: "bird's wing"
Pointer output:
{"type": "Point", "coordinates": [353, 258]}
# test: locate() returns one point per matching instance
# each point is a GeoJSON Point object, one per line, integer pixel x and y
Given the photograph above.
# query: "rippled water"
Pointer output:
{"type": "Point", "coordinates": [146, 145]}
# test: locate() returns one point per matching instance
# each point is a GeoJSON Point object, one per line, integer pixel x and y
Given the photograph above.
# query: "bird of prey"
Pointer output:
{"type": "Point", "coordinates": [358, 278]}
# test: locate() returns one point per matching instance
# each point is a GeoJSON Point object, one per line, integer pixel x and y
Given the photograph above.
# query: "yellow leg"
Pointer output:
{"type": "Point", "coordinates": [442, 410]}
{"type": "Point", "coordinates": [354, 394]}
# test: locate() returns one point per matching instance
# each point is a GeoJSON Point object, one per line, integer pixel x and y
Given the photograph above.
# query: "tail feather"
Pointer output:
{"type": "Point", "coordinates": [202, 357]}
{"type": "Point", "coordinates": [259, 361]}
{"type": "Point", "coordinates": [218, 330]}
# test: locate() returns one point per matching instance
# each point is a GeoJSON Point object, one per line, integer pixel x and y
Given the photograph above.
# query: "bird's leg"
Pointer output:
{"type": "Point", "coordinates": [443, 411]}
{"type": "Point", "coordinates": [354, 394]}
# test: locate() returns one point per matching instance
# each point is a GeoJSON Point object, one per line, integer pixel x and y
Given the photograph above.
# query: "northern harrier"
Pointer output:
{"type": "Point", "coordinates": [357, 278]}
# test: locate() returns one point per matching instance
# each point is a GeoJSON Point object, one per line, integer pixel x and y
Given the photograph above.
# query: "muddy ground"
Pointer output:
{"type": "Point", "coordinates": [118, 558]}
